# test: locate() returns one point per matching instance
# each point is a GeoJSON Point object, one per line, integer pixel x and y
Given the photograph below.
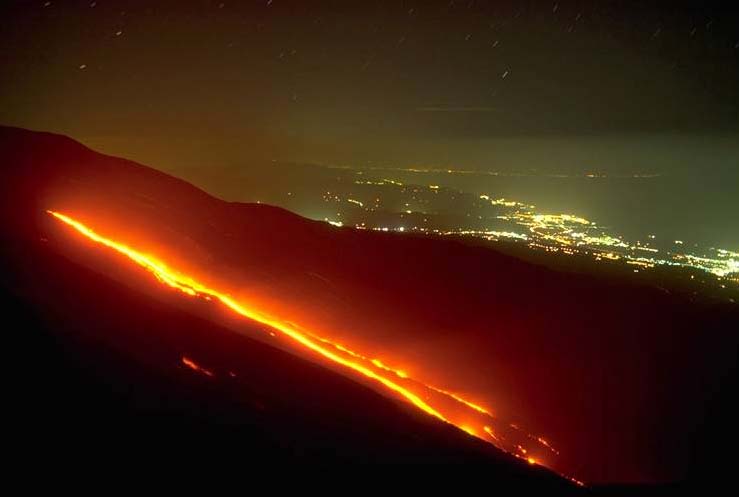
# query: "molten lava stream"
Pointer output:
{"type": "Point", "coordinates": [447, 406]}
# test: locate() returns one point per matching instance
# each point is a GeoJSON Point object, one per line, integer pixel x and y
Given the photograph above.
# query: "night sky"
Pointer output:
{"type": "Point", "coordinates": [171, 81]}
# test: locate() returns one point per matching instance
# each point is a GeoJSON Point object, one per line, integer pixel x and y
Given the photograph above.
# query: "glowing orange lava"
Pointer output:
{"type": "Point", "coordinates": [196, 367]}
{"type": "Point", "coordinates": [396, 381]}
{"type": "Point", "coordinates": [193, 288]}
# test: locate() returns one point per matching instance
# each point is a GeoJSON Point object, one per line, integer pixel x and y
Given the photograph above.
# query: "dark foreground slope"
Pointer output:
{"type": "Point", "coordinates": [97, 375]}
{"type": "Point", "coordinates": [630, 383]}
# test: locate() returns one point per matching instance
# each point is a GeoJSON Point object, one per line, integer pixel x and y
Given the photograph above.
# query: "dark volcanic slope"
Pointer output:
{"type": "Point", "coordinates": [629, 382]}
{"type": "Point", "coordinates": [98, 373]}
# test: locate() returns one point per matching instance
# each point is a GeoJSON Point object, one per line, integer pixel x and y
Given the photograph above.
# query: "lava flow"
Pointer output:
{"type": "Point", "coordinates": [196, 367]}
{"type": "Point", "coordinates": [440, 403]}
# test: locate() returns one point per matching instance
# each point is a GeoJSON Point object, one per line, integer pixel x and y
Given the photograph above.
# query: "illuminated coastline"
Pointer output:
{"type": "Point", "coordinates": [518, 222]}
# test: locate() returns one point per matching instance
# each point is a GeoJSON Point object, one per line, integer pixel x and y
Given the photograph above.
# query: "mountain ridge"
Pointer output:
{"type": "Point", "coordinates": [491, 322]}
